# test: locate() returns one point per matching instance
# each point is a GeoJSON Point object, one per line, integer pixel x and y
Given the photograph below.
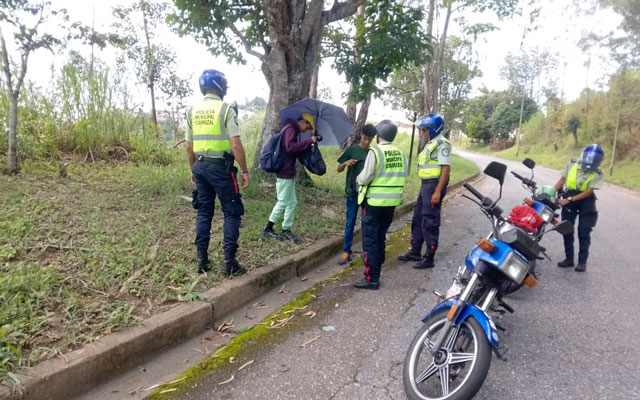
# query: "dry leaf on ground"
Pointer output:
{"type": "Point", "coordinates": [310, 314]}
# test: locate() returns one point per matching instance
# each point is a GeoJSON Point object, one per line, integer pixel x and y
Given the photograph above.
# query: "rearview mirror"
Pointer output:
{"type": "Point", "coordinates": [496, 170]}
{"type": "Point", "coordinates": [564, 228]}
{"type": "Point", "coordinates": [529, 163]}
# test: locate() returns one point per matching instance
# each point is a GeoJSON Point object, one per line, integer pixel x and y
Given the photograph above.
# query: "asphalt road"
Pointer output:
{"type": "Point", "coordinates": [574, 336]}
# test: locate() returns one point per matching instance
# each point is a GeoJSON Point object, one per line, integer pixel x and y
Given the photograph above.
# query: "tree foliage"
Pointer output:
{"type": "Point", "coordinates": [495, 115]}
{"type": "Point", "coordinates": [387, 37]}
{"type": "Point", "coordinates": [152, 62]}
{"type": "Point", "coordinates": [459, 68]}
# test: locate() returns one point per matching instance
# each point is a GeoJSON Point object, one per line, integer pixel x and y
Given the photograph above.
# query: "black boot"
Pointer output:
{"type": "Point", "coordinates": [428, 260]}
{"type": "Point", "coordinates": [581, 267]}
{"type": "Point", "coordinates": [566, 263]}
{"type": "Point", "coordinates": [232, 267]}
{"type": "Point", "coordinates": [410, 256]}
{"type": "Point", "coordinates": [204, 264]}
{"type": "Point", "coordinates": [365, 284]}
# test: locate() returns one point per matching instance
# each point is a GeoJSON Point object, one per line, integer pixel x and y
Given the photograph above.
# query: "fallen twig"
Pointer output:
{"type": "Point", "coordinates": [308, 342]}
{"type": "Point", "coordinates": [227, 381]}
{"type": "Point", "coordinates": [246, 365]}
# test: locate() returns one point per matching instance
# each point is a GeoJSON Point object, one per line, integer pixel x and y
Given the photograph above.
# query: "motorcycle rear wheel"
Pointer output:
{"type": "Point", "coordinates": [466, 348]}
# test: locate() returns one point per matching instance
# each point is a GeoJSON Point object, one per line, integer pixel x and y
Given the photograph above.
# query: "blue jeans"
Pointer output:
{"type": "Point", "coordinates": [352, 214]}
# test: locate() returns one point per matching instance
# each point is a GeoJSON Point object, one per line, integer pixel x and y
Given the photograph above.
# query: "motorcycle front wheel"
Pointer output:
{"type": "Point", "coordinates": [457, 371]}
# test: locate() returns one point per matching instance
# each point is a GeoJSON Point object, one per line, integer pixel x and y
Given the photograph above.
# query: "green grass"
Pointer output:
{"type": "Point", "coordinates": [112, 244]}
{"type": "Point", "coordinates": [626, 172]}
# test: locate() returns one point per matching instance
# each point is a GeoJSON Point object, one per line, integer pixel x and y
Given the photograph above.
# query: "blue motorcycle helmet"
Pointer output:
{"type": "Point", "coordinates": [591, 157]}
{"type": "Point", "coordinates": [212, 79]}
{"type": "Point", "coordinates": [432, 122]}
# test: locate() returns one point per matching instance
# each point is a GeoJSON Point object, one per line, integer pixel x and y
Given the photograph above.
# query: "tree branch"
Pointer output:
{"type": "Point", "coordinates": [341, 10]}
{"type": "Point", "coordinates": [4, 57]}
{"type": "Point", "coordinates": [243, 39]}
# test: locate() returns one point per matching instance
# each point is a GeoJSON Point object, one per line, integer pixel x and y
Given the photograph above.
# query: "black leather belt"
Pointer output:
{"type": "Point", "coordinates": [220, 161]}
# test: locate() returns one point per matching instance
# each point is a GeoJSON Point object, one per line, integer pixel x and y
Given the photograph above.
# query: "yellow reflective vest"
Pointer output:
{"type": "Point", "coordinates": [385, 190]}
{"type": "Point", "coordinates": [210, 136]}
{"type": "Point", "coordinates": [427, 167]}
{"type": "Point", "coordinates": [572, 178]}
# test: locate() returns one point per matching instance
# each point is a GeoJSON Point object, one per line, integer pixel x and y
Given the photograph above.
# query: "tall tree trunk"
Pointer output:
{"type": "Point", "coordinates": [518, 137]}
{"type": "Point", "coordinates": [150, 78]}
{"type": "Point", "coordinates": [12, 153]}
{"type": "Point", "coordinates": [13, 94]}
{"type": "Point", "coordinates": [363, 113]}
{"type": "Point", "coordinates": [352, 106]}
{"type": "Point", "coordinates": [441, 49]}
{"type": "Point", "coordinates": [313, 92]}
{"type": "Point", "coordinates": [427, 70]}
{"type": "Point", "coordinates": [615, 136]}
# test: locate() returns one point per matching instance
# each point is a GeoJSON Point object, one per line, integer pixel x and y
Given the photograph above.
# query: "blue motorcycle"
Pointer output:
{"type": "Point", "coordinates": [543, 201]}
{"type": "Point", "coordinates": [451, 354]}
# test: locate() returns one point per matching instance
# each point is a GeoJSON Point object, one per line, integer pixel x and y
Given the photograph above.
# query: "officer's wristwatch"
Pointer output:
{"type": "Point", "coordinates": [570, 198]}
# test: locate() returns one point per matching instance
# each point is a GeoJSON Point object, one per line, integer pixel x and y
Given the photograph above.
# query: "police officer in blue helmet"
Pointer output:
{"type": "Point", "coordinates": [213, 146]}
{"type": "Point", "coordinates": [580, 179]}
{"type": "Point", "coordinates": [434, 167]}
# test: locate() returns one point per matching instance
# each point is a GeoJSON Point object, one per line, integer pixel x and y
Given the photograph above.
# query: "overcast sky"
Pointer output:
{"type": "Point", "coordinates": [560, 29]}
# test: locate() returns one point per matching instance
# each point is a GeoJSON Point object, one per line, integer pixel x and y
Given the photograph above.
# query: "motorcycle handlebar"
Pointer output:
{"type": "Point", "coordinates": [524, 180]}
{"type": "Point", "coordinates": [473, 191]}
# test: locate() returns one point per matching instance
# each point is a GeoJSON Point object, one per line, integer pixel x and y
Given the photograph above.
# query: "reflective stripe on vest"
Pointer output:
{"type": "Point", "coordinates": [572, 178]}
{"type": "Point", "coordinates": [210, 137]}
{"type": "Point", "coordinates": [428, 168]}
{"type": "Point", "coordinates": [385, 190]}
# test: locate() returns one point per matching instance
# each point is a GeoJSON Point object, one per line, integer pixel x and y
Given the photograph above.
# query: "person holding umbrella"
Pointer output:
{"type": "Point", "coordinates": [285, 177]}
{"type": "Point", "coordinates": [381, 185]}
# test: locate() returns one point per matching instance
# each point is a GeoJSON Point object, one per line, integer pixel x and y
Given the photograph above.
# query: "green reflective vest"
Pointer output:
{"type": "Point", "coordinates": [572, 178]}
{"type": "Point", "coordinates": [427, 167]}
{"type": "Point", "coordinates": [385, 190]}
{"type": "Point", "coordinates": [210, 137]}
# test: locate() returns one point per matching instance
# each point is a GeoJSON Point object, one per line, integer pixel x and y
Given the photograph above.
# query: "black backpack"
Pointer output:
{"type": "Point", "coordinates": [272, 156]}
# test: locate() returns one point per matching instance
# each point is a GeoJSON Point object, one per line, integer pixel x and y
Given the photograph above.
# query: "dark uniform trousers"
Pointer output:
{"type": "Point", "coordinates": [375, 223]}
{"type": "Point", "coordinates": [213, 179]}
{"type": "Point", "coordinates": [425, 225]}
{"type": "Point", "coordinates": [585, 210]}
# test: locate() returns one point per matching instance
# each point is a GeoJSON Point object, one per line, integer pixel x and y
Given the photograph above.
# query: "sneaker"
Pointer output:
{"type": "Point", "coordinates": [345, 258]}
{"type": "Point", "coordinates": [270, 233]}
{"type": "Point", "coordinates": [365, 284]}
{"type": "Point", "coordinates": [581, 267]}
{"type": "Point", "coordinates": [287, 234]}
{"type": "Point", "coordinates": [409, 256]}
{"type": "Point", "coordinates": [565, 264]}
{"type": "Point", "coordinates": [424, 263]}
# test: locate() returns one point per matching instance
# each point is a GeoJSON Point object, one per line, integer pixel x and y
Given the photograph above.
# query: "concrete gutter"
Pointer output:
{"type": "Point", "coordinates": [81, 370]}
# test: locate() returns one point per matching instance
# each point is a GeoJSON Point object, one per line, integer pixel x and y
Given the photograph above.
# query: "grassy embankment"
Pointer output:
{"type": "Point", "coordinates": [625, 172]}
{"type": "Point", "coordinates": [111, 244]}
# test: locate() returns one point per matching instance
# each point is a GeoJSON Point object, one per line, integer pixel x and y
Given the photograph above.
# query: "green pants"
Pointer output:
{"type": "Point", "coordinates": [287, 202]}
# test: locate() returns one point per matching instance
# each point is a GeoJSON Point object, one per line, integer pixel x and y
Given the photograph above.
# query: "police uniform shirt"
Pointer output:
{"type": "Point", "coordinates": [231, 123]}
{"type": "Point", "coordinates": [596, 182]}
{"type": "Point", "coordinates": [442, 153]}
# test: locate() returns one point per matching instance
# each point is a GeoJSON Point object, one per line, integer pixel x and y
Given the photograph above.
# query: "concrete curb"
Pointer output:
{"type": "Point", "coordinates": [82, 369]}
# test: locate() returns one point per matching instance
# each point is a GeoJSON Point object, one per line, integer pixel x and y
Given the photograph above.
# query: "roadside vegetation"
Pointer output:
{"type": "Point", "coordinates": [608, 117]}
{"type": "Point", "coordinates": [111, 242]}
